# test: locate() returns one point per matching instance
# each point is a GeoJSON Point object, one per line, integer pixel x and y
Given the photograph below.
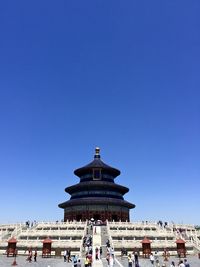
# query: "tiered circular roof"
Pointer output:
{"type": "Point", "coordinates": [101, 190]}
{"type": "Point", "coordinates": [96, 184]}
{"type": "Point", "coordinates": [97, 163]}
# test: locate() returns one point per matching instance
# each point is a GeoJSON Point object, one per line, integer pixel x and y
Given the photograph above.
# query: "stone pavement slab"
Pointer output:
{"type": "Point", "coordinates": [194, 261]}
{"type": "Point", "coordinates": [41, 262]}
{"type": "Point", "coordinates": [58, 262]}
{"type": "Point", "coordinates": [97, 263]}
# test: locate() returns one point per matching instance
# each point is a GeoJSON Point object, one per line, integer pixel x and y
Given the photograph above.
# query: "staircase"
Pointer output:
{"type": "Point", "coordinates": [97, 241]}
{"type": "Point", "coordinates": [87, 232]}
{"type": "Point", "coordinates": [104, 238]}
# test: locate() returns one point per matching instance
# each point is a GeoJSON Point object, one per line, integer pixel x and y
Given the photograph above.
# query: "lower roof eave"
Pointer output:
{"type": "Point", "coordinates": [95, 201]}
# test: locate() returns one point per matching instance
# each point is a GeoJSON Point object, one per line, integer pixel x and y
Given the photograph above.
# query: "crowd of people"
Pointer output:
{"type": "Point", "coordinates": [67, 255]}
{"type": "Point", "coordinates": [133, 261]}
{"type": "Point", "coordinates": [110, 257]}
{"type": "Point", "coordinates": [75, 260]}
{"type": "Point", "coordinates": [30, 224]}
{"type": "Point", "coordinates": [32, 255]}
{"type": "Point", "coordinates": [87, 245]}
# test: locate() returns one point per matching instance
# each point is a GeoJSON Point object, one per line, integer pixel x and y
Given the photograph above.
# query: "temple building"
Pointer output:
{"type": "Point", "coordinates": [97, 195]}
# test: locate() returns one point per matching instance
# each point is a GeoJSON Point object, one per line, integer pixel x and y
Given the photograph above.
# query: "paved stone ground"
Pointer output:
{"type": "Point", "coordinates": [58, 262]}
{"type": "Point", "coordinates": [194, 261]}
{"type": "Point", "coordinates": [41, 262]}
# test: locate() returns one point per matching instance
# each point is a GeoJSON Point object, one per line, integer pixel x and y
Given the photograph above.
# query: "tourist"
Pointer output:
{"type": "Point", "coordinates": [136, 258]}
{"type": "Point", "coordinates": [86, 262]}
{"type": "Point", "coordinates": [112, 252]}
{"type": "Point", "coordinates": [111, 261]}
{"type": "Point", "coordinates": [186, 263]}
{"type": "Point", "coordinates": [181, 264]}
{"type": "Point", "coordinates": [132, 257]}
{"type": "Point", "coordinates": [69, 255]}
{"type": "Point", "coordinates": [179, 254]}
{"type": "Point", "coordinates": [65, 255]}
{"type": "Point", "coordinates": [30, 255]}
{"type": "Point", "coordinates": [108, 243]}
{"type": "Point", "coordinates": [96, 253]}
{"type": "Point", "coordinates": [79, 263]}
{"type": "Point", "coordinates": [15, 253]}
{"type": "Point", "coordinates": [107, 258]}
{"type": "Point", "coordinates": [90, 260]}
{"type": "Point", "coordinates": [35, 255]}
{"type": "Point", "coordinates": [74, 261]}
{"type": "Point", "coordinates": [156, 255]}
{"type": "Point", "coordinates": [123, 252]}
{"type": "Point", "coordinates": [152, 258]}
{"type": "Point", "coordinates": [130, 261]}
{"type": "Point", "coordinates": [157, 263]}
{"type": "Point", "coordinates": [100, 250]}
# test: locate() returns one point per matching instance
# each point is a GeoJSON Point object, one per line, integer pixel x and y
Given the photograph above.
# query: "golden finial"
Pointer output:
{"type": "Point", "coordinates": [97, 151]}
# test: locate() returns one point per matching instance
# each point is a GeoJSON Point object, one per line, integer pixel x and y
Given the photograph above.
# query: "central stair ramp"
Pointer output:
{"type": "Point", "coordinates": [97, 235]}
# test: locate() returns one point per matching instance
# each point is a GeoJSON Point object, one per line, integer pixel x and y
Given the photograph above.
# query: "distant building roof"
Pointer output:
{"type": "Point", "coordinates": [146, 241]}
{"type": "Point", "coordinates": [180, 241]}
{"type": "Point", "coordinates": [47, 240]}
{"type": "Point", "coordinates": [12, 240]}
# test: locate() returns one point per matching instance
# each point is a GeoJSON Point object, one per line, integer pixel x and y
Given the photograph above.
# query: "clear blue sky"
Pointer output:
{"type": "Point", "coordinates": [121, 75]}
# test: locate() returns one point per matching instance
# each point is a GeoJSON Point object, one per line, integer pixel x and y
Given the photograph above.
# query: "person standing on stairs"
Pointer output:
{"type": "Point", "coordinates": [96, 253]}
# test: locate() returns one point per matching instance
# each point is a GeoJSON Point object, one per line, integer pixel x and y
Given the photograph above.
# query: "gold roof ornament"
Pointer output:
{"type": "Point", "coordinates": [97, 151]}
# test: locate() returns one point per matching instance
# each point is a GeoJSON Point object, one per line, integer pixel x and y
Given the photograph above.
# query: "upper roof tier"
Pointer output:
{"type": "Point", "coordinates": [97, 163]}
{"type": "Point", "coordinates": [100, 185]}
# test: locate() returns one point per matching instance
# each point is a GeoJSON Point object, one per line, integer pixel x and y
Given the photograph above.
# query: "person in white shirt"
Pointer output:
{"type": "Point", "coordinates": [65, 255]}
{"type": "Point", "coordinates": [152, 258]}
{"type": "Point", "coordinates": [181, 264]}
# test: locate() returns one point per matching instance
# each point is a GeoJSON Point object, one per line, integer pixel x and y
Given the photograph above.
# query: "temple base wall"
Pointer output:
{"type": "Point", "coordinates": [101, 212]}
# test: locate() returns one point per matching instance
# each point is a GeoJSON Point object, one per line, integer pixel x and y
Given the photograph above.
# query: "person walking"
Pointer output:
{"type": "Point", "coordinates": [100, 251]}
{"type": "Point", "coordinates": [107, 258]}
{"type": "Point", "coordinates": [79, 263]}
{"type": "Point", "coordinates": [152, 258]}
{"type": "Point", "coordinates": [130, 261]}
{"type": "Point", "coordinates": [69, 255]}
{"type": "Point", "coordinates": [65, 255]}
{"type": "Point", "coordinates": [111, 261]}
{"type": "Point", "coordinates": [181, 264]}
{"type": "Point", "coordinates": [30, 254]}
{"type": "Point", "coordinates": [96, 253]}
{"type": "Point", "coordinates": [74, 261]}
{"type": "Point", "coordinates": [35, 255]}
{"type": "Point", "coordinates": [136, 258]}
{"type": "Point", "coordinates": [186, 263]}
{"type": "Point", "coordinates": [86, 262]}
